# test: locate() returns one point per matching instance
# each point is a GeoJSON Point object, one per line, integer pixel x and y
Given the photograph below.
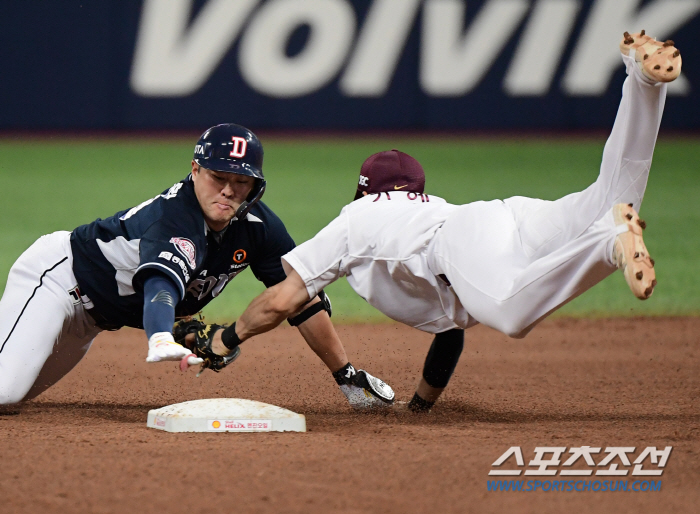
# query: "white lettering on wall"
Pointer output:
{"type": "Point", "coordinates": [540, 48]}
{"type": "Point", "coordinates": [173, 60]}
{"type": "Point", "coordinates": [596, 58]}
{"type": "Point", "coordinates": [175, 56]}
{"type": "Point", "coordinates": [453, 62]}
{"type": "Point", "coordinates": [379, 47]}
{"type": "Point", "coordinates": [264, 63]}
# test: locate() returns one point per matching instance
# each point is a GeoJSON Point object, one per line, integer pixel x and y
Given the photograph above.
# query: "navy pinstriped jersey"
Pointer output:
{"type": "Point", "coordinates": [168, 234]}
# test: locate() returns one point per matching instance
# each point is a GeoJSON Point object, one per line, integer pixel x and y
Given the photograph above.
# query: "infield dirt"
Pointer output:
{"type": "Point", "coordinates": [83, 445]}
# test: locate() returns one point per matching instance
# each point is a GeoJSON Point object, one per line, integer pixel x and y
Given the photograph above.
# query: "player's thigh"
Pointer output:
{"type": "Point", "coordinates": [66, 354]}
{"type": "Point", "coordinates": [545, 226]}
{"type": "Point", "coordinates": [33, 312]}
{"type": "Point", "coordinates": [480, 241]}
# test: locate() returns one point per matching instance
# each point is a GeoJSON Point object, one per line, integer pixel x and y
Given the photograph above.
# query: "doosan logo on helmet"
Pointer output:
{"type": "Point", "coordinates": [239, 147]}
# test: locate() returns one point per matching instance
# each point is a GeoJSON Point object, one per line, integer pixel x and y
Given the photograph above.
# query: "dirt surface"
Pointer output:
{"type": "Point", "coordinates": [83, 445]}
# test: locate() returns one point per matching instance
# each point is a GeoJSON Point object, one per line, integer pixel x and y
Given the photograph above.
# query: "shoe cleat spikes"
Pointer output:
{"type": "Point", "coordinates": [661, 62]}
{"type": "Point", "coordinates": [630, 254]}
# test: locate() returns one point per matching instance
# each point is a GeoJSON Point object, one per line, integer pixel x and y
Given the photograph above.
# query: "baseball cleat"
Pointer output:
{"type": "Point", "coordinates": [659, 61]}
{"type": "Point", "coordinates": [630, 254]}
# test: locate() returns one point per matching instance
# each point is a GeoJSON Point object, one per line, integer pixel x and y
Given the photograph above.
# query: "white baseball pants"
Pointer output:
{"type": "Point", "coordinates": [513, 262]}
{"type": "Point", "coordinates": [44, 330]}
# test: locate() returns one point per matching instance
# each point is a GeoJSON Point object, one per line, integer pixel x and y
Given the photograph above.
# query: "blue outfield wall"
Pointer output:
{"type": "Point", "coordinates": [332, 64]}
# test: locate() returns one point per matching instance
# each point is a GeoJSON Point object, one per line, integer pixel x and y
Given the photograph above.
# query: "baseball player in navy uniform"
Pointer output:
{"type": "Point", "coordinates": [165, 258]}
{"type": "Point", "coordinates": [508, 264]}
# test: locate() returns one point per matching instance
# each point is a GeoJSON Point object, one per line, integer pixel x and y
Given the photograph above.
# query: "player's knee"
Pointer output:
{"type": "Point", "coordinates": [12, 391]}
{"type": "Point", "coordinates": [11, 397]}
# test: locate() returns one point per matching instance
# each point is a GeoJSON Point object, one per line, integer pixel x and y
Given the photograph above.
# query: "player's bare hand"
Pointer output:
{"type": "Point", "coordinates": [162, 347]}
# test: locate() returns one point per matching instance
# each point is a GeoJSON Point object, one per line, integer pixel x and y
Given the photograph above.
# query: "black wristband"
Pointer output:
{"type": "Point", "coordinates": [343, 375]}
{"type": "Point", "coordinates": [418, 404]}
{"type": "Point", "coordinates": [230, 338]}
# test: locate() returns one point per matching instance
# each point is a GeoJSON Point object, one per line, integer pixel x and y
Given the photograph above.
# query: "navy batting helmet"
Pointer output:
{"type": "Point", "coordinates": [232, 148]}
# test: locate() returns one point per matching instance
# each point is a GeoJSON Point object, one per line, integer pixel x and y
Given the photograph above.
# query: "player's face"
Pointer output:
{"type": "Point", "coordinates": [220, 194]}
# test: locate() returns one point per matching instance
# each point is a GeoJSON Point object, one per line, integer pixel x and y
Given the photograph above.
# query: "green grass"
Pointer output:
{"type": "Point", "coordinates": [57, 184]}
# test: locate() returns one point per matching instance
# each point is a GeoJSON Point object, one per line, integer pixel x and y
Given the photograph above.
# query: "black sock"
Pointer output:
{"type": "Point", "coordinates": [344, 374]}
{"type": "Point", "coordinates": [418, 404]}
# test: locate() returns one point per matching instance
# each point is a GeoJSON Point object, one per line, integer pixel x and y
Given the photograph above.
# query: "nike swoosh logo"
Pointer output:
{"type": "Point", "coordinates": [400, 187]}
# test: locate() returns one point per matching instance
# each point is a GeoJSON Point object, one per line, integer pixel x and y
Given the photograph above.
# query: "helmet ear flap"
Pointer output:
{"type": "Point", "coordinates": [252, 199]}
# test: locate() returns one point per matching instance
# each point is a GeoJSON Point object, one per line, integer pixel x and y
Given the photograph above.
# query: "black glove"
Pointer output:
{"type": "Point", "coordinates": [201, 347]}
{"type": "Point", "coordinates": [362, 390]}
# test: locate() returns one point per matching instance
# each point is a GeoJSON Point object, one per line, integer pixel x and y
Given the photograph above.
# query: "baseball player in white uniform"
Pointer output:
{"type": "Point", "coordinates": [508, 263]}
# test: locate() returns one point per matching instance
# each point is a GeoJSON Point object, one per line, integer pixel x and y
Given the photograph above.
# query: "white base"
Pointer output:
{"type": "Point", "coordinates": [225, 415]}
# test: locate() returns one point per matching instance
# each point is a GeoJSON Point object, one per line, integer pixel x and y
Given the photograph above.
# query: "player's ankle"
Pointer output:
{"type": "Point", "coordinates": [418, 404]}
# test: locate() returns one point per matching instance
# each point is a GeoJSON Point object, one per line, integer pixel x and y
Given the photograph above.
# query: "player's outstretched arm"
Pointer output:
{"type": "Point", "coordinates": [272, 307]}
{"type": "Point", "coordinates": [288, 298]}
{"type": "Point", "coordinates": [160, 295]}
{"type": "Point", "coordinates": [265, 312]}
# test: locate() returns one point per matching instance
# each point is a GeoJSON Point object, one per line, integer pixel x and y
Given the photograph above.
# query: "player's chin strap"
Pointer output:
{"type": "Point", "coordinates": [323, 305]}
{"type": "Point", "coordinates": [248, 203]}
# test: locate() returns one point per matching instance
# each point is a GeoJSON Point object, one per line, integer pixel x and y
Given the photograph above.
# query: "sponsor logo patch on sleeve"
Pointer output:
{"type": "Point", "coordinates": [186, 248]}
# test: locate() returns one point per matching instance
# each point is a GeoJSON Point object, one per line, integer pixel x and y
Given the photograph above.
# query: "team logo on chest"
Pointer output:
{"type": "Point", "coordinates": [186, 248]}
{"type": "Point", "coordinates": [239, 256]}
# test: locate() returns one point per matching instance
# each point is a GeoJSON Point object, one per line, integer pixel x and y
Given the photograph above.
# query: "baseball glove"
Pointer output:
{"type": "Point", "coordinates": [201, 345]}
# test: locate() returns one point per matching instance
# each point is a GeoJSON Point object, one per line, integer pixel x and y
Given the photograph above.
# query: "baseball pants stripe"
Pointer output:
{"type": "Point", "coordinates": [41, 281]}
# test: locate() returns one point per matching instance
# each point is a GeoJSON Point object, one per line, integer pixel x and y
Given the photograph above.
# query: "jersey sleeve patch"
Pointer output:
{"type": "Point", "coordinates": [169, 256]}
{"type": "Point", "coordinates": [186, 248]}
